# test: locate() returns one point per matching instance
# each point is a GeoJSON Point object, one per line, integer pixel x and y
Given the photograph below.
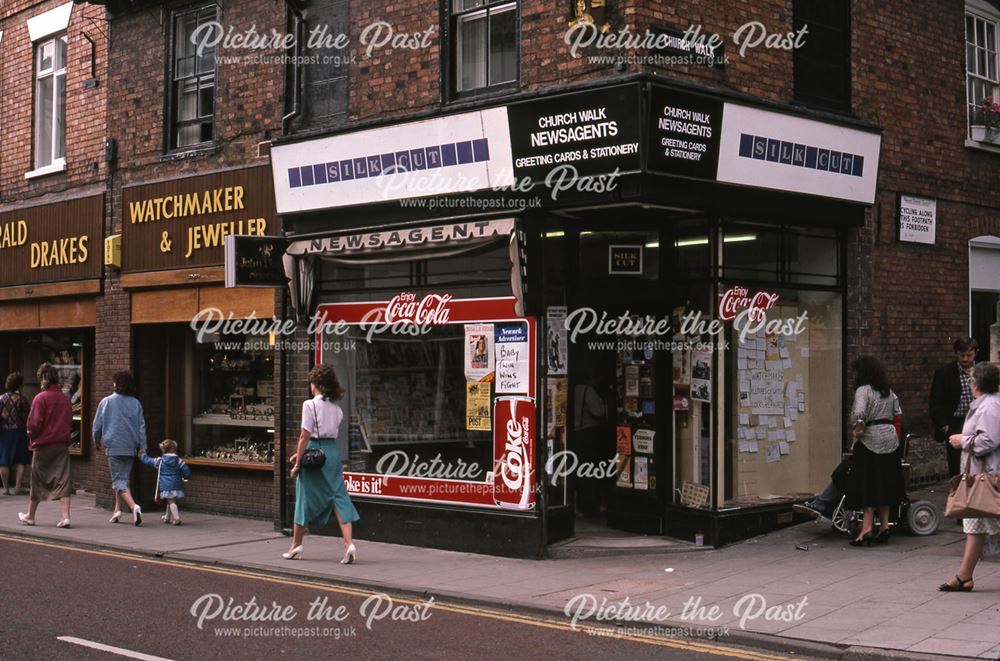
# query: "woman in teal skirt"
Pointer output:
{"type": "Point", "coordinates": [321, 491]}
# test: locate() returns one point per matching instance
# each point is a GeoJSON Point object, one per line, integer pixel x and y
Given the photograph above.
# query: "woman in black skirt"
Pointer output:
{"type": "Point", "coordinates": [876, 481]}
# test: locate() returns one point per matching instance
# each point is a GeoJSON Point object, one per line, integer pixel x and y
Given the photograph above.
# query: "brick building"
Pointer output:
{"type": "Point", "coordinates": [53, 202]}
{"type": "Point", "coordinates": [686, 192]}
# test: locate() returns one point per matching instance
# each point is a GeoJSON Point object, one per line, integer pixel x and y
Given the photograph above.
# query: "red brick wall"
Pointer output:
{"type": "Point", "coordinates": [912, 300]}
{"type": "Point", "coordinates": [85, 118]}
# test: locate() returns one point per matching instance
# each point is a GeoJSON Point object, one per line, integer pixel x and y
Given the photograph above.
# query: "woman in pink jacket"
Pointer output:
{"type": "Point", "coordinates": [49, 425]}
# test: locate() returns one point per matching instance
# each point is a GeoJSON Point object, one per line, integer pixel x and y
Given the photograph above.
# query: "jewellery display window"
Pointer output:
{"type": "Point", "coordinates": [233, 413]}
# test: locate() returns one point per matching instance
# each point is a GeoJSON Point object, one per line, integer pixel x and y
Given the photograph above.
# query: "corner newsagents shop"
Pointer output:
{"type": "Point", "coordinates": [647, 275]}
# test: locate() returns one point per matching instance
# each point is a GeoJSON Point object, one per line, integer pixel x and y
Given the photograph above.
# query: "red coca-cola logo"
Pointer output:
{"type": "Point", "coordinates": [737, 298]}
{"type": "Point", "coordinates": [431, 309]}
{"type": "Point", "coordinates": [515, 464]}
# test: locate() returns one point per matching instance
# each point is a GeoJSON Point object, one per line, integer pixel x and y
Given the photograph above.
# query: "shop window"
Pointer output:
{"type": "Point", "coordinates": [782, 433]}
{"type": "Point", "coordinates": [982, 23]}
{"type": "Point", "coordinates": [484, 272]}
{"type": "Point", "coordinates": [693, 360]}
{"type": "Point", "coordinates": [750, 251]}
{"type": "Point", "coordinates": [484, 44]}
{"type": "Point", "coordinates": [814, 257]}
{"type": "Point", "coordinates": [66, 353]}
{"type": "Point", "coordinates": [822, 61]}
{"type": "Point", "coordinates": [405, 402]}
{"type": "Point", "coordinates": [50, 103]}
{"type": "Point", "coordinates": [233, 394]}
{"type": "Point", "coordinates": [191, 78]}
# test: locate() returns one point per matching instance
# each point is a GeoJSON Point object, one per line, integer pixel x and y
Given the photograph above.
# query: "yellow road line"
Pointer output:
{"type": "Point", "coordinates": [537, 621]}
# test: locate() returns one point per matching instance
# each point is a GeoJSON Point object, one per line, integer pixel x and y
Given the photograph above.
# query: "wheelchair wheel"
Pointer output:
{"type": "Point", "coordinates": [923, 518]}
{"type": "Point", "coordinates": [841, 518]}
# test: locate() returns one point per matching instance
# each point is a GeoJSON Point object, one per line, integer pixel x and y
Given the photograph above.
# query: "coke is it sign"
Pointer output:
{"type": "Point", "coordinates": [513, 453]}
{"type": "Point", "coordinates": [737, 299]}
{"type": "Point", "coordinates": [404, 307]}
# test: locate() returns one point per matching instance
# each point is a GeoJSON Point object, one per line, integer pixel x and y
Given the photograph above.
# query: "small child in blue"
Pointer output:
{"type": "Point", "coordinates": [172, 470]}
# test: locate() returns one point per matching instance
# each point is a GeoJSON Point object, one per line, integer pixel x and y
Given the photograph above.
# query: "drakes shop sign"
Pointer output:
{"type": "Point", "coordinates": [51, 243]}
{"type": "Point", "coordinates": [183, 223]}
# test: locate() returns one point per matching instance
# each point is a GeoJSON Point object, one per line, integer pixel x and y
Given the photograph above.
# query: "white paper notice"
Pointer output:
{"type": "Point", "coordinates": [786, 363]}
{"type": "Point", "coordinates": [744, 418]}
{"type": "Point", "coordinates": [512, 358]}
{"type": "Point", "coordinates": [761, 433]}
{"type": "Point", "coordinates": [783, 447]}
{"type": "Point", "coordinates": [753, 446]}
{"type": "Point", "coordinates": [479, 353]}
{"type": "Point", "coordinates": [788, 421]}
{"type": "Point", "coordinates": [773, 453]}
{"type": "Point", "coordinates": [783, 352]}
{"type": "Point", "coordinates": [744, 446]}
{"type": "Point", "coordinates": [790, 436]}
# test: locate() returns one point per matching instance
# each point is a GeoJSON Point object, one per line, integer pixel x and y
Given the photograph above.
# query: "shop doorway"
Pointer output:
{"type": "Point", "coordinates": [617, 423]}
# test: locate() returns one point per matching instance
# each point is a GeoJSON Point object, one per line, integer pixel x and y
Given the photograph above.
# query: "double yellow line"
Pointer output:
{"type": "Point", "coordinates": [530, 620]}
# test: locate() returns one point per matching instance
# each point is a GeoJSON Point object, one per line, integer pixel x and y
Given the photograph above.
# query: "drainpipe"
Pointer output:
{"type": "Point", "coordinates": [297, 29]}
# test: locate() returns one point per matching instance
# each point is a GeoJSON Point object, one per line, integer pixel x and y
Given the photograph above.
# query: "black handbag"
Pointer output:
{"type": "Point", "coordinates": [314, 457]}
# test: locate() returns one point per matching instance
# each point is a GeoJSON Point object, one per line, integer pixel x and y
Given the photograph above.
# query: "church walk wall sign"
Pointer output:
{"type": "Point", "coordinates": [183, 223]}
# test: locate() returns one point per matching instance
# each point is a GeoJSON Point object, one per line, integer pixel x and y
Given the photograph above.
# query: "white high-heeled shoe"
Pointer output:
{"type": "Point", "coordinates": [63, 524]}
{"type": "Point", "coordinates": [293, 553]}
{"type": "Point", "coordinates": [115, 517]}
{"type": "Point", "coordinates": [350, 555]}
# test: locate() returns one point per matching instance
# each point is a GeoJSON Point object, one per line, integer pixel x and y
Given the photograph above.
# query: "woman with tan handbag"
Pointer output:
{"type": "Point", "coordinates": [980, 438]}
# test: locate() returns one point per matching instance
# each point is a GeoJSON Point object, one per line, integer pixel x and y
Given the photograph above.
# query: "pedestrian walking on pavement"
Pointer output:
{"type": "Point", "coordinates": [14, 409]}
{"type": "Point", "coordinates": [321, 490]}
{"type": "Point", "coordinates": [171, 473]}
{"type": "Point", "coordinates": [980, 437]}
{"type": "Point", "coordinates": [875, 481]}
{"type": "Point", "coordinates": [50, 423]}
{"type": "Point", "coordinates": [120, 429]}
{"type": "Point", "coordinates": [950, 397]}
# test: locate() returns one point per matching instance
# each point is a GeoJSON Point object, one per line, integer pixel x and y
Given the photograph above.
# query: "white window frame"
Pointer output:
{"type": "Point", "coordinates": [980, 10]}
{"type": "Point", "coordinates": [55, 161]}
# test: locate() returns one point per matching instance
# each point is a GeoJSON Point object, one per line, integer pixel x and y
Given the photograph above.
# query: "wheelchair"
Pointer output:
{"type": "Point", "coordinates": [920, 517]}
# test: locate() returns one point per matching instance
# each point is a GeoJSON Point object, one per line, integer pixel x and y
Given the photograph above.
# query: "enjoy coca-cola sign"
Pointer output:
{"type": "Point", "coordinates": [513, 448]}
{"type": "Point", "coordinates": [737, 299]}
{"type": "Point", "coordinates": [432, 309]}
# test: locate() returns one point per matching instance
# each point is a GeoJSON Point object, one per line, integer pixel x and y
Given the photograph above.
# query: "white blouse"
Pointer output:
{"type": "Point", "coordinates": [327, 414]}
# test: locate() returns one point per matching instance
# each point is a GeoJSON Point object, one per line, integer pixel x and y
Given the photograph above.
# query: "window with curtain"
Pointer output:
{"type": "Point", "coordinates": [485, 43]}
{"type": "Point", "coordinates": [981, 25]}
{"type": "Point", "coordinates": [50, 101]}
{"type": "Point", "coordinates": [192, 80]}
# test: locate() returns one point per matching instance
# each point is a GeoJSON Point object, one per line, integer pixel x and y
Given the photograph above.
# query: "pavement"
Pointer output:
{"type": "Point", "coordinates": [802, 589]}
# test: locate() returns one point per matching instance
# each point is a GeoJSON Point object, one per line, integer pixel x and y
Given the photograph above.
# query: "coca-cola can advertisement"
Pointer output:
{"type": "Point", "coordinates": [514, 453]}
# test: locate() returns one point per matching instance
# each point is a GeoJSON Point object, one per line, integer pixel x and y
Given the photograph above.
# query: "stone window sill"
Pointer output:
{"type": "Point", "coordinates": [58, 165]}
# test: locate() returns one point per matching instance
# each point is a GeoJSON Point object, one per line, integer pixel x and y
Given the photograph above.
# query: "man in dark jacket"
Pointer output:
{"type": "Point", "coordinates": [951, 394]}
